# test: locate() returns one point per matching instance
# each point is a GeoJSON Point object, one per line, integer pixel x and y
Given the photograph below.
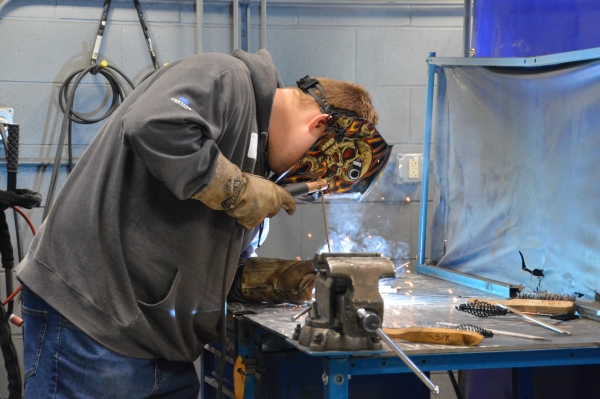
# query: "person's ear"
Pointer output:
{"type": "Point", "coordinates": [318, 124]}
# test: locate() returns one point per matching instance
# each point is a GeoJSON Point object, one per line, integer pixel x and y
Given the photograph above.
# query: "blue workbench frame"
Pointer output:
{"type": "Point", "coordinates": [337, 366]}
{"type": "Point", "coordinates": [434, 62]}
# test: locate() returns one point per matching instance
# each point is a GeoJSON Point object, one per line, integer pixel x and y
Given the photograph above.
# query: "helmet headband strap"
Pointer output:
{"type": "Point", "coordinates": [310, 85]}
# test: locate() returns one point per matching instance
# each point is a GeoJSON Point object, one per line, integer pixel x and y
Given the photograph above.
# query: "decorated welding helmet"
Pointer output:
{"type": "Point", "coordinates": [350, 154]}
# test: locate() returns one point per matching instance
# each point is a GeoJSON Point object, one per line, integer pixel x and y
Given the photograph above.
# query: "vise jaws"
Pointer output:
{"type": "Point", "coordinates": [346, 297]}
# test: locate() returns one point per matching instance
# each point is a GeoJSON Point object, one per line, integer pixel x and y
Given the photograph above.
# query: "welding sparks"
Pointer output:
{"type": "Point", "coordinates": [407, 199]}
{"type": "Point", "coordinates": [450, 291]}
{"type": "Point", "coordinates": [309, 235]}
{"type": "Point", "coordinates": [409, 283]}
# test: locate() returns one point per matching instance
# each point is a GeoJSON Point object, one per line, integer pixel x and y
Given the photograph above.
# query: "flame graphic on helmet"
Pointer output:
{"type": "Point", "coordinates": [350, 155]}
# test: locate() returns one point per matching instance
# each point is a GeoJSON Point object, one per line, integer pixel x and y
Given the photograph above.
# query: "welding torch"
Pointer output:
{"type": "Point", "coordinates": [300, 189]}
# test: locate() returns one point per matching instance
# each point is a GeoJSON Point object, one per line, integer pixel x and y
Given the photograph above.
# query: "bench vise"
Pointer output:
{"type": "Point", "coordinates": [346, 297]}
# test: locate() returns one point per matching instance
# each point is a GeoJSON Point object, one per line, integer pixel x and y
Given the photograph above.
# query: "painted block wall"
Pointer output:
{"type": "Point", "coordinates": [381, 45]}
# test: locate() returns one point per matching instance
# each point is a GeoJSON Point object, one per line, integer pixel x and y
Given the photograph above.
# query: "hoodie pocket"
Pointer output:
{"type": "Point", "coordinates": [33, 336]}
{"type": "Point", "coordinates": [183, 319]}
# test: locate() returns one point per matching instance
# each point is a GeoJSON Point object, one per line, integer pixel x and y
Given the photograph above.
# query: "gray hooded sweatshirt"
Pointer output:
{"type": "Point", "coordinates": [125, 254]}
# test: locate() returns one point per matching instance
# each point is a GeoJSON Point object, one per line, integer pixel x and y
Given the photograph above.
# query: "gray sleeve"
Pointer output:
{"type": "Point", "coordinates": [174, 126]}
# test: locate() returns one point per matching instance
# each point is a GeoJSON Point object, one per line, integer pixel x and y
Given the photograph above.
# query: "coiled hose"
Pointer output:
{"type": "Point", "coordinates": [66, 100]}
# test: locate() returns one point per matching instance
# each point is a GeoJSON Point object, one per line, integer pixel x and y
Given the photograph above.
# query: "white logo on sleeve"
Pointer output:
{"type": "Point", "coordinates": [182, 101]}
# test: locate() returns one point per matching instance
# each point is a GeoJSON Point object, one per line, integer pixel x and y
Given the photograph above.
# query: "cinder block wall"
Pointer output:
{"type": "Point", "coordinates": [381, 45]}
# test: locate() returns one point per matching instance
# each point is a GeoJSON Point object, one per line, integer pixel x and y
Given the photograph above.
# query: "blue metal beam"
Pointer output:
{"type": "Point", "coordinates": [469, 360]}
{"type": "Point", "coordinates": [426, 156]}
{"type": "Point", "coordinates": [481, 283]}
{"type": "Point", "coordinates": [542, 60]}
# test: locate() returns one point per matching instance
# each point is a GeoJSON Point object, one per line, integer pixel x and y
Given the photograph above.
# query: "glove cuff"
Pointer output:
{"type": "Point", "coordinates": [278, 280]}
{"type": "Point", "coordinates": [226, 187]}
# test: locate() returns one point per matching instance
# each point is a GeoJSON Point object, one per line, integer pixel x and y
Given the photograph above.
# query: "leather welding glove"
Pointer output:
{"type": "Point", "coordinates": [278, 280]}
{"type": "Point", "coordinates": [247, 198]}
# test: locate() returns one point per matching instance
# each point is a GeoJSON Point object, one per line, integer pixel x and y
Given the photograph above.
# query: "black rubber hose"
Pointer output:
{"type": "Point", "coordinates": [117, 88]}
{"type": "Point", "coordinates": [454, 385]}
{"type": "Point", "coordinates": [6, 248]}
{"type": "Point", "coordinates": [66, 99]}
{"type": "Point", "coordinates": [10, 357]}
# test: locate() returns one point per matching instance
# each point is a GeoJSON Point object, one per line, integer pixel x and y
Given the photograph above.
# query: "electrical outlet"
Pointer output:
{"type": "Point", "coordinates": [408, 167]}
{"type": "Point", "coordinates": [413, 168]}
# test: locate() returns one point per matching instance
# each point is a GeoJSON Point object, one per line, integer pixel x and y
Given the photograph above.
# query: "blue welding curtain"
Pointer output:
{"type": "Point", "coordinates": [517, 168]}
{"type": "Point", "coordinates": [526, 28]}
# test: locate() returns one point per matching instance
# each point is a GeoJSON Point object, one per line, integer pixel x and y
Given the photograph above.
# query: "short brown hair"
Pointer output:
{"type": "Point", "coordinates": [345, 95]}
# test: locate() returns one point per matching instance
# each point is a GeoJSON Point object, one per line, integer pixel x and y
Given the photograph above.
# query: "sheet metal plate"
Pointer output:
{"type": "Point", "coordinates": [424, 300]}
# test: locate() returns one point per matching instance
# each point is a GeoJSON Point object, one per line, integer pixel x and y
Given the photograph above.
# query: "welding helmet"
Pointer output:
{"type": "Point", "coordinates": [350, 154]}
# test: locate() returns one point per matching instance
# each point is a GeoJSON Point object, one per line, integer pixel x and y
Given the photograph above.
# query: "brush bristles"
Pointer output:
{"type": "Point", "coordinates": [482, 309]}
{"type": "Point", "coordinates": [471, 327]}
{"type": "Point", "coordinates": [546, 296]}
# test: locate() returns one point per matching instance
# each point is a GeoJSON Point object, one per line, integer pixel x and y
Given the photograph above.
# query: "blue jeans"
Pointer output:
{"type": "Point", "coordinates": [63, 362]}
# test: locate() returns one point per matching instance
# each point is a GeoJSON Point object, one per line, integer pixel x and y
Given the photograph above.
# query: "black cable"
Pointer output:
{"type": "Point", "coordinates": [66, 100]}
{"type": "Point", "coordinates": [66, 96]}
{"type": "Point", "coordinates": [11, 150]}
{"type": "Point", "coordinates": [455, 385]}
{"type": "Point", "coordinates": [6, 250]}
{"type": "Point", "coordinates": [117, 89]}
{"type": "Point", "coordinates": [138, 8]}
{"type": "Point", "coordinates": [10, 357]}
{"type": "Point", "coordinates": [100, 33]}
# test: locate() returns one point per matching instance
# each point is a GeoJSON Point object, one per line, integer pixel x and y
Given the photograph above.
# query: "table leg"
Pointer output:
{"type": "Point", "coordinates": [335, 378]}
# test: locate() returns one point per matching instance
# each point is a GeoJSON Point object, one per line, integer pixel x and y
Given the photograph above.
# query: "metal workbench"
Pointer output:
{"type": "Point", "coordinates": [419, 301]}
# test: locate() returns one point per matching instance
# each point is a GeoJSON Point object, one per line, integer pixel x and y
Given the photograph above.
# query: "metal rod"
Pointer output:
{"type": "Point", "coordinates": [325, 221]}
{"type": "Point", "coordinates": [468, 28]}
{"type": "Point", "coordinates": [236, 24]}
{"type": "Point", "coordinates": [248, 27]}
{"type": "Point", "coordinates": [432, 387]}
{"type": "Point", "coordinates": [297, 316]}
{"type": "Point", "coordinates": [499, 332]}
{"type": "Point", "coordinates": [514, 334]}
{"type": "Point", "coordinates": [358, 3]}
{"type": "Point", "coordinates": [426, 147]}
{"type": "Point", "coordinates": [263, 24]}
{"type": "Point", "coordinates": [199, 26]}
{"type": "Point", "coordinates": [541, 323]}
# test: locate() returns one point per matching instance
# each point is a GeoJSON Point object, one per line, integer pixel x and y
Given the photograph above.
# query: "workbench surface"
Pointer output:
{"type": "Point", "coordinates": [424, 301]}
